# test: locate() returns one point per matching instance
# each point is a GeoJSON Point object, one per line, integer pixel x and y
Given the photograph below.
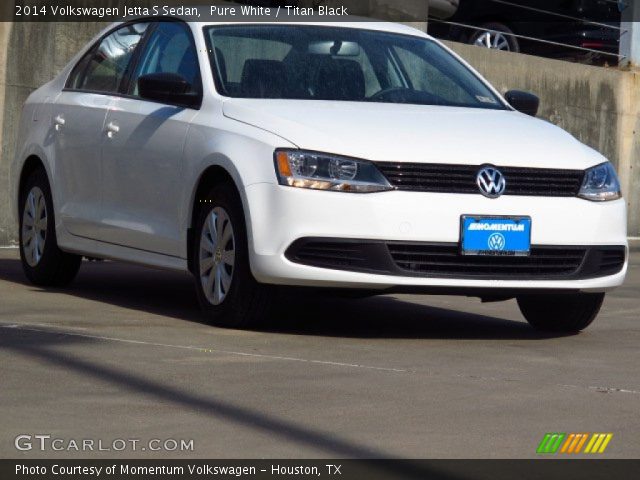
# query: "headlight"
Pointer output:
{"type": "Point", "coordinates": [600, 183]}
{"type": "Point", "coordinates": [319, 171]}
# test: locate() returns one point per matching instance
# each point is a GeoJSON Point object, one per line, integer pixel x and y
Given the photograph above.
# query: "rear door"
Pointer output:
{"type": "Point", "coordinates": [78, 118]}
{"type": "Point", "coordinates": [142, 154]}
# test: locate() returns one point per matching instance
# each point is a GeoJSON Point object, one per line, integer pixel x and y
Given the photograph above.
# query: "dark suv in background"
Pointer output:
{"type": "Point", "coordinates": [560, 24]}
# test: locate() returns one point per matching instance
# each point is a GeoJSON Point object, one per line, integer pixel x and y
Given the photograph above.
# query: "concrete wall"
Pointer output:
{"type": "Point", "coordinates": [597, 105]}
{"type": "Point", "coordinates": [30, 55]}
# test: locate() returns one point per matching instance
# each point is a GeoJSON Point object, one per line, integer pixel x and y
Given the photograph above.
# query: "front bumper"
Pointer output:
{"type": "Point", "coordinates": [278, 216]}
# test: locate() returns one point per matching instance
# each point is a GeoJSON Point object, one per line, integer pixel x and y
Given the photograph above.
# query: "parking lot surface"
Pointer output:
{"type": "Point", "coordinates": [124, 354]}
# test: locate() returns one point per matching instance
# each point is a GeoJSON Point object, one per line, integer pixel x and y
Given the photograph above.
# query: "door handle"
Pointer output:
{"type": "Point", "coordinates": [112, 129]}
{"type": "Point", "coordinates": [58, 122]}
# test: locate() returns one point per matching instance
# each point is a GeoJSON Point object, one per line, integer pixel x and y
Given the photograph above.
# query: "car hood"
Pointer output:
{"type": "Point", "coordinates": [416, 133]}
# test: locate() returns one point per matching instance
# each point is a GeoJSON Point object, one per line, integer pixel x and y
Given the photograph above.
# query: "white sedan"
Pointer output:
{"type": "Point", "coordinates": [359, 156]}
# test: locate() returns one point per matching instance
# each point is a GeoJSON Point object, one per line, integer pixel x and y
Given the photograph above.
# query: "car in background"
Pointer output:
{"type": "Point", "coordinates": [561, 26]}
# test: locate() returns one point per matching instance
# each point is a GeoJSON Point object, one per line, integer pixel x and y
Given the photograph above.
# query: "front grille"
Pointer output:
{"type": "Point", "coordinates": [446, 178]}
{"type": "Point", "coordinates": [446, 260]}
{"type": "Point", "coordinates": [443, 260]}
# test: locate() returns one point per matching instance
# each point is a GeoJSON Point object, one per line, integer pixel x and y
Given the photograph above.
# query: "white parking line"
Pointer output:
{"type": "Point", "coordinates": [31, 328]}
{"type": "Point", "coordinates": [200, 349]}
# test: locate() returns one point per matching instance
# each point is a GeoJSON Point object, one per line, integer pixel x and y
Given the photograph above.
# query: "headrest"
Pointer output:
{"type": "Point", "coordinates": [262, 78]}
{"type": "Point", "coordinates": [340, 79]}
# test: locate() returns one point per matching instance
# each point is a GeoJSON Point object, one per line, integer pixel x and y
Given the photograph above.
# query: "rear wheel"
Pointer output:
{"type": "Point", "coordinates": [42, 261]}
{"type": "Point", "coordinates": [567, 313]}
{"type": "Point", "coordinates": [227, 292]}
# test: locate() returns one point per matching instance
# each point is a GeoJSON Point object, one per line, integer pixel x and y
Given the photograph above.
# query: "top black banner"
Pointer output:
{"type": "Point", "coordinates": [593, 12]}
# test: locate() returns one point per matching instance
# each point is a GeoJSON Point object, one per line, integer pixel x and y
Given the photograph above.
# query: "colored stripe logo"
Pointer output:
{"type": "Point", "coordinates": [572, 443]}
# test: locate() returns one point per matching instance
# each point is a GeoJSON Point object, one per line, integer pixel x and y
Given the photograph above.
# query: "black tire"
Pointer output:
{"type": "Point", "coordinates": [54, 268]}
{"type": "Point", "coordinates": [512, 44]}
{"type": "Point", "coordinates": [246, 303]}
{"type": "Point", "coordinates": [567, 313]}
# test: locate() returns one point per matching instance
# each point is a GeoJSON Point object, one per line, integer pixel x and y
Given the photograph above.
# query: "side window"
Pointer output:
{"type": "Point", "coordinates": [170, 49]}
{"type": "Point", "coordinates": [105, 68]}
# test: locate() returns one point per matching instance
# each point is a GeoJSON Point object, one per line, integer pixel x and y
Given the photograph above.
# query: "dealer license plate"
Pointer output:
{"type": "Point", "coordinates": [482, 235]}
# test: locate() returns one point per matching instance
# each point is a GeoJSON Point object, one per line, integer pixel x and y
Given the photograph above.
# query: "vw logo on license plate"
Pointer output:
{"type": "Point", "coordinates": [497, 242]}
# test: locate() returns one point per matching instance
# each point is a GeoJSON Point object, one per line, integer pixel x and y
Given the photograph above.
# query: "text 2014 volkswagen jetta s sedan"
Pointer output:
{"type": "Point", "coordinates": [358, 156]}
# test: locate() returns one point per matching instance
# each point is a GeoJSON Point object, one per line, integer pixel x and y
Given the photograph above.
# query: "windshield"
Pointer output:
{"type": "Point", "coordinates": [333, 63]}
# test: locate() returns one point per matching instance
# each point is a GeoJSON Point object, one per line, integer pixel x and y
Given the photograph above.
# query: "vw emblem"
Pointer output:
{"type": "Point", "coordinates": [497, 242]}
{"type": "Point", "coordinates": [491, 182]}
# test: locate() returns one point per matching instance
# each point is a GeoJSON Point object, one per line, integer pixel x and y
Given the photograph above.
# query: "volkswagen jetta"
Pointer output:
{"type": "Point", "coordinates": [359, 156]}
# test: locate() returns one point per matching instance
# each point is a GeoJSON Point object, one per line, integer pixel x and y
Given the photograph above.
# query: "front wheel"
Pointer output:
{"type": "Point", "coordinates": [227, 291]}
{"type": "Point", "coordinates": [567, 313]}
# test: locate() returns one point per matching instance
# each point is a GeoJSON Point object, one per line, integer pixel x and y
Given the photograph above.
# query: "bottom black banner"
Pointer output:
{"type": "Point", "coordinates": [546, 469]}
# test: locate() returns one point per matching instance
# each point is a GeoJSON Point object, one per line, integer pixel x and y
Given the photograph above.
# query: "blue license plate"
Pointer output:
{"type": "Point", "coordinates": [509, 236]}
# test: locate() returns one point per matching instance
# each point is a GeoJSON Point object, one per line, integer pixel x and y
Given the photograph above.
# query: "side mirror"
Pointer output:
{"type": "Point", "coordinates": [524, 102]}
{"type": "Point", "coordinates": [168, 88]}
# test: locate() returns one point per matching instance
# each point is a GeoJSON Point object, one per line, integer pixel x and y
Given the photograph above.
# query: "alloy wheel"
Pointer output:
{"type": "Point", "coordinates": [493, 40]}
{"type": "Point", "coordinates": [217, 255]}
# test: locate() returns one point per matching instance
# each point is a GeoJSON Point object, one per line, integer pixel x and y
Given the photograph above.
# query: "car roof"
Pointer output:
{"type": "Point", "coordinates": [362, 23]}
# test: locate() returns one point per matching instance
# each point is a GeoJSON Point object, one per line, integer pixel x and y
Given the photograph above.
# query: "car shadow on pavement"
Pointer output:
{"type": "Point", "coordinates": [48, 348]}
{"type": "Point", "coordinates": [395, 317]}
{"type": "Point", "coordinates": [171, 294]}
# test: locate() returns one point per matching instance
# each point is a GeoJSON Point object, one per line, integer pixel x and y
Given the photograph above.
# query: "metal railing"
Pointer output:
{"type": "Point", "coordinates": [559, 15]}
{"type": "Point", "coordinates": [534, 39]}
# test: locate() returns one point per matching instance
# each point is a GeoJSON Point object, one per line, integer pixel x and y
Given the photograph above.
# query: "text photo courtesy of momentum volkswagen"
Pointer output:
{"type": "Point", "coordinates": [362, 157]}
